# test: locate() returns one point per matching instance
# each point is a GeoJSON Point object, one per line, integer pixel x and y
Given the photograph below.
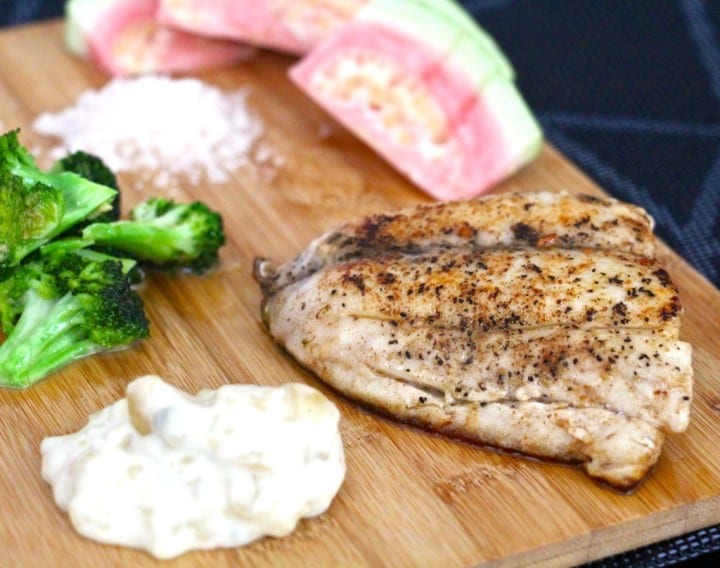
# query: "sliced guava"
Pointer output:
{"type": "Point", "coordinates": [452, 32]}
{"type": "Point", "coordinates": [123, 37]}
{"type": "Point", "coordinates": [291, 26]}
{"type": "Point", "coordinates": [429, 95]}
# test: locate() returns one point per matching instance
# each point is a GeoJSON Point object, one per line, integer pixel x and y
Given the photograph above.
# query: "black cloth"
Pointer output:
{"type": "Point", "coordinates": [13, 12]}
{"type": "Point", "coordinates": [629, 90]}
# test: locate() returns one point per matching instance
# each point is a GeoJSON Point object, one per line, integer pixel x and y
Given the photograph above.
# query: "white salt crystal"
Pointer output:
{"type": "Point", "coordinates": [173, 127]}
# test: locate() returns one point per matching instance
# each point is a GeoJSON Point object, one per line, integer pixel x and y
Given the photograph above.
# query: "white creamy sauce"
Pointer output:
{"type": "Point", "coordinates": [168, 472]}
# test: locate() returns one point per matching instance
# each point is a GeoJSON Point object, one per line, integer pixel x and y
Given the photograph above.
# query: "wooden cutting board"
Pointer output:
{"type": "Point", "coordinates": [410, 498]}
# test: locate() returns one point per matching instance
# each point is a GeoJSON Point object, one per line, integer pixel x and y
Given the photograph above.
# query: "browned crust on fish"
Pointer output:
{"type": "Point", "coordinates": [535, 220]}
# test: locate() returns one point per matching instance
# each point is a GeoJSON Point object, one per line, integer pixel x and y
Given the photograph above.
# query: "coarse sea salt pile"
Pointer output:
{"type": "Point", "coordinates": [164, 127]}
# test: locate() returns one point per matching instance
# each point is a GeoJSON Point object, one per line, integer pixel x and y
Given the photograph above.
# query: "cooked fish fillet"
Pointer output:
{"type": "Point", "coordinates": [539, 219]}
{"type": "Point", "coordinates": [554, 351]}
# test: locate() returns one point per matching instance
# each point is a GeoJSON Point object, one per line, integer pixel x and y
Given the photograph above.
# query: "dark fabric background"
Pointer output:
{"type": "Point", "coordinates": [629, 90]}
{"type": "Point", "coordinates": [14, 12]}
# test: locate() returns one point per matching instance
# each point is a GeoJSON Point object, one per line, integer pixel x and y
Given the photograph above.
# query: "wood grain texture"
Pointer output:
{"type": "Point", "coordinates": [410, 498]}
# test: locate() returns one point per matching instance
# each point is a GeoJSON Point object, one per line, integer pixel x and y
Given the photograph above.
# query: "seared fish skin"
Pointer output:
{"type": "Point", "coordinates": [550, 349]}
{"type": "Point", "coordinates": [539, 219]}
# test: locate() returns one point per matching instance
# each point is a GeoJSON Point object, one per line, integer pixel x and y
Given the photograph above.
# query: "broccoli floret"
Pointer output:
{"type": "Point", "coordinates": [36, 206]}
{"type": "Point", "coordinates": [63, 305]}
{"type": "Point", "coordinates": [82, 247]}
{"type": "Point", "coordinates": [92, 167]}
{"type": "Point", "coordinates": [165, 234]}
{"type": "Point", "coordinates": [29, 215]}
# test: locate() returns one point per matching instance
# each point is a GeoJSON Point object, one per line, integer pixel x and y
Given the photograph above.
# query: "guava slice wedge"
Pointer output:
{"type": "Point", "coordinates": [123, 37]}
{"type": "Point", "coordinates": [291, 26]}
{"type": "Point", "coordinates": [452, 33]}
{"type": "Point", "coordinates": [429, 91]}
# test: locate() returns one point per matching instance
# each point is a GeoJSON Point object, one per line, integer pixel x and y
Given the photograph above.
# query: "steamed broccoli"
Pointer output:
{"type": "Point", "coordinates": [29, 215]}
{"type": "Point", "coordinates": [68, 263]}
{"type": "Point", "coordinates": [165, 234]}
{"type": "Point", "coordinates": [36, 206]}
{"type": "Point", "coordinates": [63, 304]}
{"type": "Point", "coordinates": [86, 249]}
{"type": "Point", "coordinates": [92, 167]}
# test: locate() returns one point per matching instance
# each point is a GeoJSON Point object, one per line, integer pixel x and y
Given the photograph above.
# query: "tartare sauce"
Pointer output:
{"type": "Point", "coordinates": [168, 472]}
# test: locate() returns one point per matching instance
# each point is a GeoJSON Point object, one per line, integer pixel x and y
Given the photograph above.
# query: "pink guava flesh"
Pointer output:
{"type": "Point", "coordinates": [128, 40]}
{"type": "Point", "coordinates": [466, 152]}
{"type": "Point", "coordinates": [290, 26]}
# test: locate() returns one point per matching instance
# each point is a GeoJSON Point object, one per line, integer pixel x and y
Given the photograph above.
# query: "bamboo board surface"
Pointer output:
{"type": "Point", "coordinates": [409, 498]}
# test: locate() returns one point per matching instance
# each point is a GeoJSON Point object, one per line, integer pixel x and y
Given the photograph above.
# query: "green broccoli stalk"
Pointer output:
{"type": "Point", "coordinates": [93, 168]}
{"type": "Point", "coordinates": [165, 234]}
{"type": "Point", "coordinates": [85, 248]}
{"type": "Point", "coordinates": [63, 305]}
{"type": "Point", "coordinates": [13, 287]}
{"type": "Point", "coordinates": [36, 206]}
